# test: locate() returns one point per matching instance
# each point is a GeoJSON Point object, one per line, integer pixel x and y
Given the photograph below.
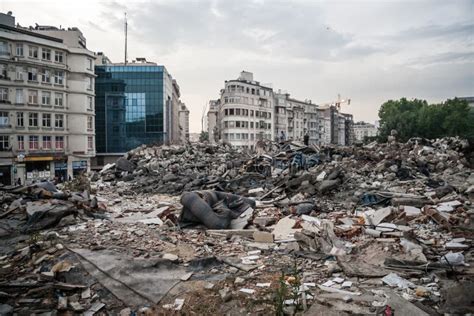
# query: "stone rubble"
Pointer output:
{"type": "Point", "coordinates": [380, 228]}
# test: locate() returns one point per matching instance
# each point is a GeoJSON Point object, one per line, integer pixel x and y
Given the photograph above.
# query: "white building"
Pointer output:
{"type": "Point", "coordinates": [248, 111]}
{"type": "Point", "coordinates": [363, 129]}
{"type": "Point", "coordinates": [46, 101]}
{"type": "Point", "coordinates": [245, 112]}
{"type": "Point", "coordinates": [213, 121]}
{"type": "Point", "coordinates": [183, 115]}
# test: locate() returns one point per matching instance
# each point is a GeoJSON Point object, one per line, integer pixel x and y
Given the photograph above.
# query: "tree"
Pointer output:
{"type": "Point", "coordinates": [204, 136]}
{"type": "Point", "coordinates": [416, 118]}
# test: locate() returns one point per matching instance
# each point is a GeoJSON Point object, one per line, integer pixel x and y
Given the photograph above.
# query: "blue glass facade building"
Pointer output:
{"type": "Point", "coordinates": [130, 103]}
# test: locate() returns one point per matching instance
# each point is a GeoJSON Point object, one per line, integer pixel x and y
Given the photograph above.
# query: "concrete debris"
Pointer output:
{"type": "Point", "coordinates": [374, 229]}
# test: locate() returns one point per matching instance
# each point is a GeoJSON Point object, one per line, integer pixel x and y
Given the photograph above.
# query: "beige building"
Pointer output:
{"type": "Point", "coordinates": [46, 101]}
{"type": "Point", "coordinates": [294, 118]}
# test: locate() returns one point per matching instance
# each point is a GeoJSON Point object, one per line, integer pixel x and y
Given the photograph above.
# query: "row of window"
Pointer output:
{"type": "Point", "coordinates": [245, 100]}
{"type": "Point", "coordinates": [245, 112]}
{"type": "Point", "coordinates": [33, 95]}
{"type": "Point", "coordinates": [245, 136]}
{"type": "Point", "coordinates": [34, 142]}
{"type": "Point", "coordinates": [243, 89]}
{"type": "Point", "coordinates": [34, 119]}
{"type": "Point", "coordinates": [246, 124]}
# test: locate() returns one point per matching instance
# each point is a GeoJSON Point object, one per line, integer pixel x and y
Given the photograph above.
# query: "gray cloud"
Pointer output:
{"type": "Point", "coordinates": [368, 51]}
{"type": "Point", "coordinates": [281, 29]}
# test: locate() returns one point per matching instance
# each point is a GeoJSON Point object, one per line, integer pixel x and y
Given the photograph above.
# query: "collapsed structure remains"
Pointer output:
{"type": "Point", "coordinates": [208, 229]}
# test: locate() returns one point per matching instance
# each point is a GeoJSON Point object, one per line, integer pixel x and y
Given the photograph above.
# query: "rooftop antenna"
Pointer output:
{"type": "Point", "coordinates": [126, 38]}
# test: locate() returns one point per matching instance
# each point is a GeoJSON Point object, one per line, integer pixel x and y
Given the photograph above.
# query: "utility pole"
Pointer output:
{"type": "Point", "coordinates": [126, 38]}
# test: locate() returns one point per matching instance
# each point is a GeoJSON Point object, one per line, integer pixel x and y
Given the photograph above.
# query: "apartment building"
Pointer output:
{"type": "Point", "coordinates": [335, 127]}
{"type": "Point", "coordinates": [363, 130]}
{"type": "Point", "coordinates": [294, 118]}
{"type": "Point", "coordinates": [245, 112]}
{"type": "Point", "coordinates": [248, 111]}
{"type": "Point", "coordinates": [46, 102]}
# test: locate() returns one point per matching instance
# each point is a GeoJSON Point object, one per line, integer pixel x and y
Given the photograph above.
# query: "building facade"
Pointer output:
{"type": "Point", "coordinates": [363, 130]}
{"type": "Point", "coordinates": [47, 103]}
{"type": "Point", "coordinates": [248, 111]}
{"type": "Point", "coordinates": [183, 118]}
{"type": "Point", "coordinates": [245, 112]}
{"type": "Point", "coordinates": [136, 103]}
{"type": "Point", "coordinates": [213, 121]}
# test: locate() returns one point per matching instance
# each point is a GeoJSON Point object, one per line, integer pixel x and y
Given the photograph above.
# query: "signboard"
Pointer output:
{"type": "Point", "coordinates": [82, 164]}
{"type": "Point", "coordinates": [60, 166]}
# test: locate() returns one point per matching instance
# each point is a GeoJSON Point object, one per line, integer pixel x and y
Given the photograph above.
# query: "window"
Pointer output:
{"type": "Point", "coordinates": [4, 144]}
{"type": "Point", "coordinates": [251, 124]}
{"type": "Point", "coordinates": [32, 74]}
{"type": "Point", "coordinates": [20, 122]}
{"type": "Point", "coordinates": [59, 142]}
{"type": "Point", "coordinates": [46, 142]}
{"type": "Point", "coordinates": [46, 54]}
{"type": "Point", "coordinates": [21, 142]}
{"type": "Point", "coordinates": [32, 96]}
{"type": "Point", "coordinates": [33, 142]}
{"type": "Point", "coordinates": [89, 64]}
{"type": "Point", "coordinates": [33, 51]}
{"type": "Point", "coordinates": [4, 121]}
{"type": "Point", "coordinates": [33, 119]}
{"type": "Point", "coordinates": [237, 111]}
{"type": "Point", "coordinates": [46, 120]}
{"type": "Point", "coordinates": [4, 51]}
{"type": "Point", "coordinates": [226, 124]}
{"type": "Point", "coordinates": [89, 103]}
{"type": "Point", "coordinates": [231, 111]}
{"type": "Point", "coordinates": [90, 142]}
{"type": "Point", "coordinates": [45, 76]}
{"type": "Point", "coordinates": [3, 71]}
{"type": "Point", "coordinates": [58, 121]}
{"type": "Point", "coordinates": [226, 112]}
{"type": "Point", "coordinates": [58, 57]}
{"type": "Point", "coordinates": [19, 49]}
{"type": "Point", "coordinates": [237, 124]}
{"type": "Point", "coordinates": [89, 83]}
{"type": "Point", "coordinates": [89, 123]}
{"type": "Point", "coordinates": [58, 99]}
{"type": "Point", "coordinates": [3, 95]}
{"type": "Point", "coordinates": [19, 73]}
{"type": "Point", "coordinates": [58, 77]}
{"type": "Point", "coordinates": [46, 98]}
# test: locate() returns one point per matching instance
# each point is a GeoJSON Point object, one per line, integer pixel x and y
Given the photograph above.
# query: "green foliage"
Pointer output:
{"type": "Point", "coordinates": [204, 136]}
{"type": "Point", "coordinates": [417, 118]}
{"type": "Point", "coordinates": [288, 290]}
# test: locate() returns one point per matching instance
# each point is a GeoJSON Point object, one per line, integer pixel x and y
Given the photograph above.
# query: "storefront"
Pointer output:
{"type": "Point", "coordinates": [60, 170]}
{"type": "Point", "coordinates": [5, 174]}
{"type": "Point", "coordinates": [38, 169]}
{"type": "Point", "coordinates": [79, 167]}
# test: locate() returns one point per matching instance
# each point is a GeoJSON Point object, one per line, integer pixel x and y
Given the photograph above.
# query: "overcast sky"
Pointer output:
{"type": "Point", "coordinates": [368, 51]}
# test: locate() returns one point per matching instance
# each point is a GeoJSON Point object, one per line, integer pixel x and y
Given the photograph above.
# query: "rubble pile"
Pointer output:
{"type": "Point", "coordinates": [173, 169]}
{"type": "Point", "coordinates": [206, 229]}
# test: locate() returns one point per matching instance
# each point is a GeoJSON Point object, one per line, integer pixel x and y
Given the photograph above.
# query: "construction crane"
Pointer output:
{"type": "Point", "coordinates": [338, 102]}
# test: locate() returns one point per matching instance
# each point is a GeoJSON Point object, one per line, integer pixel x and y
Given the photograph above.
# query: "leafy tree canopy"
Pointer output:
{"type": "Point", "coordinates": [417, 118]}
